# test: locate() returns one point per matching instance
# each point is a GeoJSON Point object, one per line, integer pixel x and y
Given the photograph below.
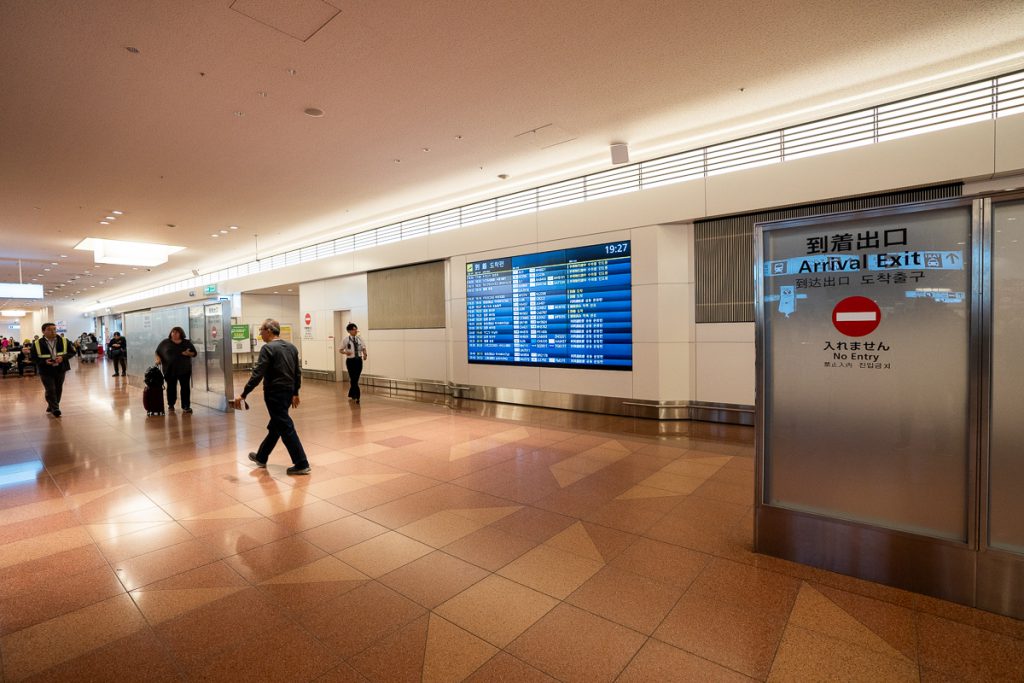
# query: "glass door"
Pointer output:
{"type": "Point", "coordinates": [197, 334]}
{"type": "Point", "coordinates": [1001, 562]}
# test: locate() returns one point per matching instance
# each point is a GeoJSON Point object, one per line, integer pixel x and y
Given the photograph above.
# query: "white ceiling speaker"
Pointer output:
{"type": "Point", "coordinates": [620, 153]}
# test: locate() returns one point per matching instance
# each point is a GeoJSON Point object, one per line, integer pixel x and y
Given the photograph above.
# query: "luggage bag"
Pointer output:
{"type": "Point", "coordinates": [153, 394]}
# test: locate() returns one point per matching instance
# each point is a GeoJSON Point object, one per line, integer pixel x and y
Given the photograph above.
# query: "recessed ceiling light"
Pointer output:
{"type": "Point", "coordinates": [314, 112]}
{"type": "Point", "coordinates": [117, 213]}
{"type": "Point", "coordinates": [120, 273]}
{"type": "Point", "coordinates": [214, 235]}
{"type": "Point", "coordinates": [63, 255]}
{"type": "Point", "coordinates": [53, 263]}
{"type": "Point", "coordinates": [127, 253]}
{"type": "Point", "coordinates": [223, 232]}
{"type": "Point", "coordinates": [111, 218]}
{"type": "Point", "coordinates": [104, 222]}
{"type": "Point", "coordinates": [232, 227]}
{"type": "Point", "coordinates": [46, 270]}
{"type": "Point", "coordinates": [276, 292]}
{"type": "Point", "coordinates": [289, 290]}
{"type": "Point", "coordinates": [134, 268]}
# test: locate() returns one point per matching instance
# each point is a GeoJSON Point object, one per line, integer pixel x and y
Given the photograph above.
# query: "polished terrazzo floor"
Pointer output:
{"type": "Point", "coordinates": [431, 543]}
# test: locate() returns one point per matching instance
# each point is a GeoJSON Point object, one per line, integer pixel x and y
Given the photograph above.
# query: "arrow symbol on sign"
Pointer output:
{"type": "Point", "coordinates": [953, 258]}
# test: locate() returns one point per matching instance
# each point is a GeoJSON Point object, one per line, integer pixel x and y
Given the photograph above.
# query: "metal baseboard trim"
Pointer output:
{"type": "Point", "coordinates": [325, 375]}
{"type": "Point", "coordinates": [606, 405]}
{"type": "Point", "coordinates": [942, 569]}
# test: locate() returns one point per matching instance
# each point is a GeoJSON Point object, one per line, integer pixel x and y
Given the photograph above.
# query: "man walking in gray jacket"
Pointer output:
{"type": "Point", "coordinates": [278, 368]}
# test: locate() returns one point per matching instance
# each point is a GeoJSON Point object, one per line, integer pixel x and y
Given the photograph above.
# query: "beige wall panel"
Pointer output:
{"type": "Point", "coordinates": [458, 353]}
{"type": "Point", "coordinates": [258, 307]}
{"type": "Point", "coordinates": [952, 154]}
{"type": "Point", "coordinates": [663, 313]}
{"type": "Point", "coordinates": [336, 294]}
{"type": "Point", "coordinates": [675, 247]}
{"type": "Point", "coordinates": [385, 358]}
{"type": "Point", "coordinates": [426, 359]}
{"type": "Point", "coordinates": [457, 277]}
{"type": "Point", "coordinates": [646, 254]}
{"type": "Point", "coordinates": [1010, 144]}
{"type": "Point", "coordinates": [726, 332]}
{"type": "Point", "coordinates": [457, 320]}
{"type": "Point", "coordinates": [662, 371]}
{"type": "Point", "coordinates": [725, 372]}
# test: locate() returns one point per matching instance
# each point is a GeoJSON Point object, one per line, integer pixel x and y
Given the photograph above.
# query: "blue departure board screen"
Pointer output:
{"type": "Point", "coordinates": [570, 308]}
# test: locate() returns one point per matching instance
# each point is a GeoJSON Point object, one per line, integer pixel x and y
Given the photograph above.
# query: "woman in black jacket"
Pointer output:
{"type": "Point", "coordinates": [176, 354]}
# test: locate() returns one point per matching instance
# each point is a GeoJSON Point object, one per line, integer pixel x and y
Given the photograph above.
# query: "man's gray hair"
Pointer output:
{"type": "Point", "coordinates": [273, 326]}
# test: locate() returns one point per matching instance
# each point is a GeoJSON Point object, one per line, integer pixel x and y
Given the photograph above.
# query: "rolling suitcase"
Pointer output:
{"type": "Point", "coordinates": [153, 393]}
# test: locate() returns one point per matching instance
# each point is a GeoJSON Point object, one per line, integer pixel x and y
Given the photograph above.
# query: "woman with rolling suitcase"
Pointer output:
{"type": "Point", "coordinates": [176, 354]}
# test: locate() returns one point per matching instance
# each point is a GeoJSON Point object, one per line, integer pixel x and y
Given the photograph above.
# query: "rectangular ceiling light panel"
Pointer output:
{"type": "Point", "coordinates": [127, 253]}
{"type": "Point", "coordinates": [11, 290]}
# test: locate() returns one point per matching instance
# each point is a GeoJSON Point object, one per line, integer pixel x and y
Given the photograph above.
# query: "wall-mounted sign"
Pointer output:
{"type": "Point", "coordinates": [239, 332]}
{"type": "Point", "coordinates": [864, 329]}
{"type": "Point", "coordinates": [210, 289]}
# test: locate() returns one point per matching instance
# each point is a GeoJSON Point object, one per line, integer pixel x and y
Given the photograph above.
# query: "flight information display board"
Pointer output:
{"type": "Point", "coordinates": [570, 308]}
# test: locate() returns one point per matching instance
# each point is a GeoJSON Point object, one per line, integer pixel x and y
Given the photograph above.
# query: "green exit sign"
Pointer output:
{"type": "Point", "coordinates": [210, 289]}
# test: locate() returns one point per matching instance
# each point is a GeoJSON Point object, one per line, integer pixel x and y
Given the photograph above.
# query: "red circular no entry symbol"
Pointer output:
{"type": "Point", "coordinates": [856, 316]}
{"type": "Point", "coordinates": [309, 319]}
{"type": "Point", "coordinates": [213, 332]}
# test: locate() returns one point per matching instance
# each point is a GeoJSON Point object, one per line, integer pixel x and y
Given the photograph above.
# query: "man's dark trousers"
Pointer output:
{"type": "Point", "coordinates": [53, 383]}
{"type": "Point", "coordinates": [281, 427]}
{"type": "Point", "coordinates": [355, 368]}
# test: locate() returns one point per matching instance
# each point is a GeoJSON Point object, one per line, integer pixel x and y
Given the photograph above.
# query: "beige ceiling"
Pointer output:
{"type": "Point", "coordinates": [87, 126]}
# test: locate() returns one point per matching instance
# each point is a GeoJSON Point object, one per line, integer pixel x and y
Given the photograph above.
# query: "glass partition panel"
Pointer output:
{"type": "Point", "coordinates": [866, 347]}
{"type": "Point", "coordinates": [197, 335]}
{"type": "Point", "coordinates": [218, 343]}
{"type": "Point", "coordinates": [144, 330]}
{"type": "Point", "coordinates": [1006, 464]}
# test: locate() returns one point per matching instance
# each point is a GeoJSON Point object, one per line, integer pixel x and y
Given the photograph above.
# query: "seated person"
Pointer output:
{"type": "Point", "coordinates": [25, 360]}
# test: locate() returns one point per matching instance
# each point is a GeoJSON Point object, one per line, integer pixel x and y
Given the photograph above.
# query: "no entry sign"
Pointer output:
{"type": "Point", "coordinates": [856, 316]}
{"type": "Point", "coordinates": [309, 319]}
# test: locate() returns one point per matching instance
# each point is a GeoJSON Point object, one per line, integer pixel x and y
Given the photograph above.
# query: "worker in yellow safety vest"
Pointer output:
{"type": "Point", "coordinates": [50, 354]}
